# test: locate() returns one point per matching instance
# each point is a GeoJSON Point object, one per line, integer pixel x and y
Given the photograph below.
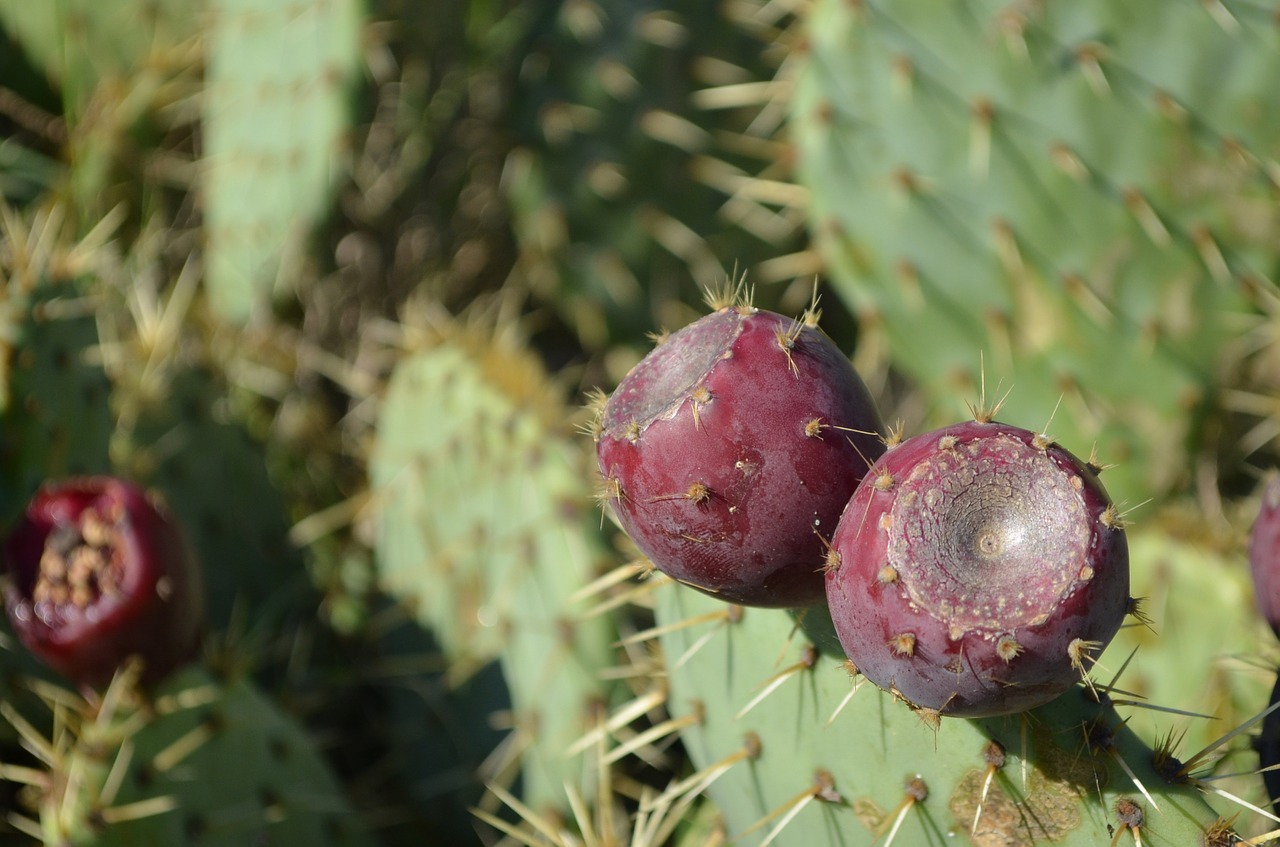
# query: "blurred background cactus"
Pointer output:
{"type": "Point", "coordinates": [335, 279]}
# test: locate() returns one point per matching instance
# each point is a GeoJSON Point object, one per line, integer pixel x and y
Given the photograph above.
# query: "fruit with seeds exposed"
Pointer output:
{"type": "Point", "coordinates": [729, 451]}
{"type": "Point", "coordinates": [978, 570]}
{"type": "Point", "coordinates": [1264, 555]}
{"type": "Point", "coordinates": [98, 572]}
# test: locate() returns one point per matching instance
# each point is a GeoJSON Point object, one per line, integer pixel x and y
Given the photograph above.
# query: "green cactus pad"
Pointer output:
{"type": "Point", "coordinates": [1077, 193]}
{"type": "Point", "coordinates": [78, 43]}
{"type": "Point", "coordinates": [213, 476]}
{"type": "Point", "coordinates": [54, 414]}
{"type": "Point", "coordinates": [274, 115]}
{"type": "Point", "coordinates": [483, 532]}
{"type": "Point", "coordinates": [204, 762]}
{"type": "Point", "coordinates": [622, 187]}
{"type": "Point", "coordinates": [787, 765]}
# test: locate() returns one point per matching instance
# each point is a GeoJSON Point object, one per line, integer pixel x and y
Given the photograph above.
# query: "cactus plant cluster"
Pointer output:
{"type": "Point", "coordinates": [368, 475]}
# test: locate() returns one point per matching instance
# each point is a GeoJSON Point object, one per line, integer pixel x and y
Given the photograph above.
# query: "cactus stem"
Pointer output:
{"type": "Point", "coordinates": [808, 658]}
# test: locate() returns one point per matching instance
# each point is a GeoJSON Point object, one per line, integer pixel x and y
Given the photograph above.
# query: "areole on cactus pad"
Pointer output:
{"type": "Point", "coordinates": [729, 451]}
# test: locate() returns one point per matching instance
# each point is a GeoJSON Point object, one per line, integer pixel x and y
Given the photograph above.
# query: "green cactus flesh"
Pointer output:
{"type": "Point", "coordinates": [809, 762]}
{"type": "Point", "coordinates": [54, 417]}
{"type": "Point", "coordinates": [1080, 192]}
{"type": "Point", "coordinates": [274, 116]}
{"type": "Point", "coordinates": [203, 762]}
{"type": "Point", "coordinates": [79, 43]}
{"type": "Point", "coordinates": [484, 534]}
{"type": "Point", "coordinates": [618, 183]}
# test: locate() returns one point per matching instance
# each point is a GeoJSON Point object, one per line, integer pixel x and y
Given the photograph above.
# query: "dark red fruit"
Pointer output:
{"type": "Point", "coordinates": [978, 571]}
{"type": "Point", "coordinates": [1264, 555]}
{"type": "Point", "coordinates": [97, 573]}
{"type": "Point", "coordinates": [729, 451]}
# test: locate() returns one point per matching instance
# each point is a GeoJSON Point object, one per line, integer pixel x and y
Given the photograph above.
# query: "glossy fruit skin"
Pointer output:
{"type": "Point", "coordinates": [969, 562]}
{"type": "Point", "coordinates": [729, 451]}
{"type": "Point", "coordinates": [153, 608]}
{"type": "Point", "coordinates": [1264, 555]}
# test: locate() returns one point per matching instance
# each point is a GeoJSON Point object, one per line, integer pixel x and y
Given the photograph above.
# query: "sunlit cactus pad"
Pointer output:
{"type": "Point", "coordinates": [1078, 192]}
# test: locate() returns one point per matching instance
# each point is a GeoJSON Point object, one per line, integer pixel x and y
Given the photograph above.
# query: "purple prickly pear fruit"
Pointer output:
{"type": "Point", "coordinates": [97, 573]}
{"type": "Point", "coordinates": [729, 451]}
{"type": "Point", "coordinates": [1264, 555]}
{"type": "Point", "coordinates": [978, 570]}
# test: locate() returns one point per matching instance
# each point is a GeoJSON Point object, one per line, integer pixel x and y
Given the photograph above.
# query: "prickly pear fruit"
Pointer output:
{"type": "Point", "coordinates": [99, 572]}
{"type": "Point", "coordinates": [977, 569]}
{"type": "Point", "coordinates": [1264, 555]}
{"type": "Point", "coordinates": [729, 451]}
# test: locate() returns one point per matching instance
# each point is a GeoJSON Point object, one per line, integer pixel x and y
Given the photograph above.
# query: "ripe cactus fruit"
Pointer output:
{"type": "Point", "coordinates": [1264, 555]}
{"type": "Point", "coordinates": [977, 570]}
{"type": "Point", "coordinates": [731, 447]}
{"type": "Point", "coordinates": [97, 573]}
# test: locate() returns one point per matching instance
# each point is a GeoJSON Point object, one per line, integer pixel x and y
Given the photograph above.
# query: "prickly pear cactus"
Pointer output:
{"type": "Point", "coordinates": [81, 42]}
{"type": "Point", "coordinates": [1080, 193]}
{"type": "Point", "coordinates": [275, 113]}
{"type": "Point", "coordinates": [625, 194]}
{"type": "Point", "coordinates": [203, 761]}
{"type": "Point", "coordinates": [54, 419]}
{"type": "Point", "coordinates": [793, 750]}
{"type": "Point", "coordinates": [484, 533]}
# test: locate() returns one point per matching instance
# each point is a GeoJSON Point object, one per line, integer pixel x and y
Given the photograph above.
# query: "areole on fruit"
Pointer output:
{"type": "Point", "coordinates": [995, 555]}
{"type": "Point", "coordinates": [729, 451]}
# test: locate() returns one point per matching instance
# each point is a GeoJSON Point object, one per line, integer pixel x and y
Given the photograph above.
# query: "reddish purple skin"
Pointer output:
{"type": "Point", "coordinates": [158, 614]}
{"type": "Point", "coordinates": [771, 492]}
{"type": "Point", "coordinates": [1015, 546]}
{"type": "Point", "coordinates": [1264, 555]}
